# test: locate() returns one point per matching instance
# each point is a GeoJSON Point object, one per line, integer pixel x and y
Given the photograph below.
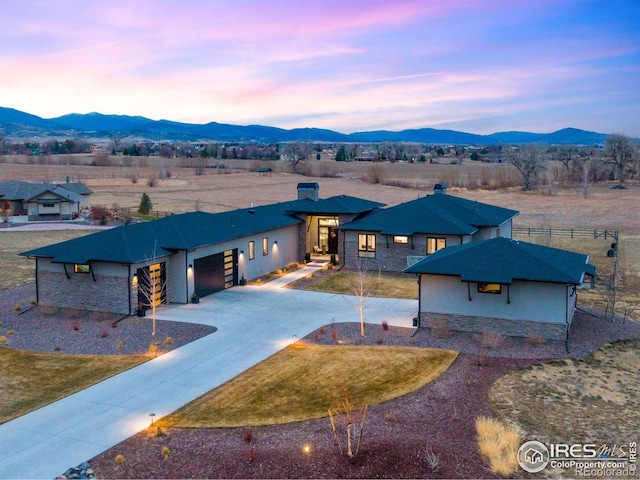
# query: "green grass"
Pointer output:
{"type": "Point", "coordinates": [31, 380]}
{"type": "Point", "coordinates": [15, 270]}
{"type": "Point", "coordinates": [302, 381]}
{"type": "Point", "coordinates": [377, 285]}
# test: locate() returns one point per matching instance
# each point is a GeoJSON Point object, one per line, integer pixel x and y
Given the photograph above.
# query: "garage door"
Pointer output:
{"type": "Point", "coordinates": [215, 272]}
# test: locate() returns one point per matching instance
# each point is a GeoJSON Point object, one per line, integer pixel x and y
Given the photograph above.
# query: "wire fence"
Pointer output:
{"type": "Point", "coordinates": [564, 232]}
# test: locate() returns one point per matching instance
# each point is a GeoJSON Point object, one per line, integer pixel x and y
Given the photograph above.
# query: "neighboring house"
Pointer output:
{"type": "Point", "coordinates": [392, 238]}
{"type": "Point", "coordinates": [501, 285]}
{"type": "Point", "coordinates": [44, 201]}
{"type": "Point", "coordinates": [195, 252]}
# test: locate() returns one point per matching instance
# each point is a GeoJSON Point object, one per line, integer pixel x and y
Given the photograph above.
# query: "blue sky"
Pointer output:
{"type": "Point", "coordinates": [470, 65]}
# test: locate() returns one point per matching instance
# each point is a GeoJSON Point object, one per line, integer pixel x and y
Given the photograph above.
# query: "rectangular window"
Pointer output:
{"type": "Point", "coordinates": [48, 205]}
{"type": "Point", "coordinates": [400, 239]}
{"type": "Point", "coordinates": [81, 268]}
{"type": "Point", "coordinates": [366, 245]}
{"type": "Point", "coordinates": [265, 245]}
{"type": "Point", "coordinates": [252, 250]}
{"type": "Point", "coordinates": [434, 244]}
{"type": "Point", "coordinates": [494, 288]}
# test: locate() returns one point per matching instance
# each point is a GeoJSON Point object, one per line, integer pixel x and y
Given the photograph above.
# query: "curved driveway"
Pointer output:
{"type": "Point", "coordinates": [253, 323]}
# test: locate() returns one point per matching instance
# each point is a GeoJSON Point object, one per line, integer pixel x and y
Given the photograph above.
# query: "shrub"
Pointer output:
{"type": "Point", "coordinates": [114, 324]}
{"type": "Point", "coordinates": [498, 442]}
{"type": "Point", "coordinates": [120, 345]}
{"type": "Point", "coordinates": [3, 339]}
{"type": "Point", "coordinates": [251, 453]}
{"type": "Point", "coordinates": [119, 460]}
{"type": "Point", "coordinates": [153, 349]}
{"type": "Point", "coordinates": [159, 432]}
{"type": "Point", "coordinates": [1, 324]}
{"type": "Point", "coordinates": [431, 459]}
{"type": "Point", "coordinates": [385, 325]}
{"type": "Point", "coordinates": [247, 435]}
{"type": "Point", "coordinates": [535, 340]}
{"type": "Point", "coordinates": [334, 334]}
{"type": "Point", "coordinates": [391, 416]}
{"type": "Point", "coordinates": [75, 325]}
{"type": "Point", "coordinates": [482, 360]}
{"type": "Point", "coordinates": [17, 308]}
{"type": "Point", "coordinates": [441, 328]}
{"type": "Point", "coordinates": [379, 341]}
{"type": "Point", "coordinates": [103, 333]}
{"type": "Point", "coordinates": [165, 452]}
{"type": "Point", "coordinates": [376, 173]}
{"type": "Point", "coordinates": [490, 340]}
{"type": "Point", "coordinates": [322, 330]}
{"type": "Point", "coordinates": [32, 302]}
{"type": "Point", "coordinates": [11, 332]}
{"type": "Point", "coordinates": [168, 341]}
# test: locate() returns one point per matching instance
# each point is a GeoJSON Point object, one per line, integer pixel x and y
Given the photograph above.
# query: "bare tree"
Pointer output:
{"type": "Point", "coordinates": [348, 420]}
{"type": "Point", "coordinates": [586, 171]}
{"type": "Point", "coordinates": [296, 154]}
{"type": "Point", "coordinates": [152, 286]}
{"type": "Point", "coordinates": [359, 287]}
{"type": "Point", "coordinates": [529, 160]}
{"type": "Point", "coordinates": [621, 155]}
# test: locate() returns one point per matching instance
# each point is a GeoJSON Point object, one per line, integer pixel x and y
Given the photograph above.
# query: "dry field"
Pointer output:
{"type": "Point", "coordinates": [236, 186]}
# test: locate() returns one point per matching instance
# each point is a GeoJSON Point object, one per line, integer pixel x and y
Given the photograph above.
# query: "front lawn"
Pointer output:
{"type": "Point", "coordinates": [377, 285]}
{"type": "Point", "coordinates": [31, 380]}
{"type": "Point", "coordinates": [302, 381]}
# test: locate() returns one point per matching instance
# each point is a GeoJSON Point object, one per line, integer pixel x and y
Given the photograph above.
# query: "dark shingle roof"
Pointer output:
{"type": "Point", "coordinates": [437, 214]}
{"type": "Point", "coordinates": [340, 204]}
{"type": "Point", "coordinates": [501, 260]}
{"type": "Point", "coordinates": [135, 243]}
{"type": "Point", "coordinates": [19, 190]}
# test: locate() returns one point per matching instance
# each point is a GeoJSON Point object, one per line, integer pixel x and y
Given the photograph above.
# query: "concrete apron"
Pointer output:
{"type": "Point", "coordinates": [253, 323]}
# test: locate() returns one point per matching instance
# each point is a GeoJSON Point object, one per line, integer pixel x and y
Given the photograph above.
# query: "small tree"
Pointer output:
{"type": "Point", "coordinates": [145, 205]}
{"type": "Point", "coordinates": [349, 421]}
{"type": "Point", "coordinates": [152, 286]}
{"type": "Point", "coordinates": [358, 284]}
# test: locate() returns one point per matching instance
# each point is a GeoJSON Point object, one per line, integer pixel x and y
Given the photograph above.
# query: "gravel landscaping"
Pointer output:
{"type": "Point", "coordinates": [438, 418]}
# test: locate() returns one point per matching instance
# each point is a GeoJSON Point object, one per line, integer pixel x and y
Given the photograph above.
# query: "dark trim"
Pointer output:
{"type": "Point", "coordinates": [469, 289]}
{"type": "Point", "coordinates": [37, 283]}
{"type": "Point", "coordinates": [129, 287]}
{"type": "Point", "coordinates": [419, 297]}
{"type": "Point", "coordinates": [508, 294]}
{"type": "Point", "coordinates": [64, 265]}
{"type": "Point", "coordinates": [186, 276]}
{"type": "Point", "coordinates": [92, 273]}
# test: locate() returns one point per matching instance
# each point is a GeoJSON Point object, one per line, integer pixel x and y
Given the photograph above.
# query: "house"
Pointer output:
{"type": "Point", "coordinates": [501, 285]}
{"type": "Point", "coordinates": [392, 238]}
{"type": "Point", "coordinates": [44, 201]}
{"type": "Point", "coordinates": [191, 253]}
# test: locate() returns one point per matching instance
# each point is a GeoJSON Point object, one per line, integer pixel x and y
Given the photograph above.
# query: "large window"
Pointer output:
{"type": "Point", "coordinates": [434, 244]}
{"type": "Point", "coordinates": [400, 239]}
{"type": "Point", "coordinates": [366, 245]}
{"type": "Point", "coordinates": [494, 288]}
{"type": "Point", "coordinates": [265, 245]}
{"type": "Point", "coordinates": [252, 250]}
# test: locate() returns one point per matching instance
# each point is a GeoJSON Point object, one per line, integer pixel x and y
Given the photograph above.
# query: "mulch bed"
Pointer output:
{"type": "Point", "coordinates": [438, 417]}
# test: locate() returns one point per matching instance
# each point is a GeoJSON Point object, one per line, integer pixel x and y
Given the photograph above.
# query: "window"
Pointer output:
{"type": "Point", "coordinates": [265, 245]}
{"type": "Point", "coordinates": [48, 205]}
{"type": "Point", "coordinates": [400, 239]}
{"type": "Point", "coordinates": [81, 268]}
{"type": "Point", "coordinates": [435, 244]}
{"type": "Point", "coordinates": [494, 288]}
{"type": "Point", "coordinates": [252, 250]}
{"type": "Point", "coordinates": [366, 245]}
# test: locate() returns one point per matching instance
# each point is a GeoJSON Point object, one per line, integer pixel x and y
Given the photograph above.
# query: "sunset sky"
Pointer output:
{"type": "Point", "coordinates": [479, 66]}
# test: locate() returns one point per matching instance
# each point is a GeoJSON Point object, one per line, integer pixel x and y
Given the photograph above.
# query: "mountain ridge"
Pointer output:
{"type": "Point", "coordinates": [18, 124]}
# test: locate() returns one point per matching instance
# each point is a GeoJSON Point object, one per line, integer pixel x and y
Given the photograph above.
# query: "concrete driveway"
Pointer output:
{"type": "Point", "coordinates": [253, 323]}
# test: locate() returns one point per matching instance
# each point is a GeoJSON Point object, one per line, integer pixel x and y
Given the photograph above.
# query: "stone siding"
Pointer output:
{"type": "Point", "coordinates": [80, 291]}
{"type": "Point", "coordinates": [388, 259]}
{"type": "Point", "coordinates": [512, 328]}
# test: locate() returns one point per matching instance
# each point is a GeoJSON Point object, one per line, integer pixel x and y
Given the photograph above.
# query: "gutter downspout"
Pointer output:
{"type": "Point", "coordinates": [419, 304]}
{"type": "Point", "coordinates": [566, 320]}
{"type": "Point", "coordinates": [37, 286]}
{"type": "Point", "coordinates": [186, 275]}
{"type": "Point", "coordinates": [129, 286]}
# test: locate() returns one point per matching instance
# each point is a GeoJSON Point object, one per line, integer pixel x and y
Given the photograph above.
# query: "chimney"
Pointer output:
{"type": "Point", "coordinates": [440, 188]}
{"type": "Point", "coordinates": [308, 190]}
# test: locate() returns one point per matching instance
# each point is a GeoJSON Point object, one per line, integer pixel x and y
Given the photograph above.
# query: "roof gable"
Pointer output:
{"type": "Point", "coordinates": [502, 260]}
{"type": "Point", "coordinates": [339, 204]}
{"type": "Point", "coordinates": [437, 214]}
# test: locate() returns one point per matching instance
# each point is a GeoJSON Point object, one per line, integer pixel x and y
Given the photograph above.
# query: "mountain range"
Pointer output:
{"type": "Point", "coordinates": [17, 124]}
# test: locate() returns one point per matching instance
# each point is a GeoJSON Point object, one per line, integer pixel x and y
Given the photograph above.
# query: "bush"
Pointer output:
{"type": "Point", "coordinates": [120, 345]}
{"type": "Point", "coordinates": [165, 452]}
{"type": "Point", "coordinates": [376, 173]}
{"type": "Point", "coordinates": [119, 460]}
{"type": "Point", "coordinates": [17, 308]}
{"type": "Point", "coordinates": [3, 339]}
{"type": "Point", "coordinates": [490, 340]}
{"type": "Point", "coordinates": [153, 350]}
{"type": "Point", "coordinates": [103, 333]}
{"type": "Point", "coordinates": [498, 443]}
{"type": "Point", "coordinates": [75, 325]}
{"type": "Point", "coordinates": [385, 325]}
{"type": "Point", "coordinates": [441, 328]}
{"type": "Point", "coordinates": [168, 341]}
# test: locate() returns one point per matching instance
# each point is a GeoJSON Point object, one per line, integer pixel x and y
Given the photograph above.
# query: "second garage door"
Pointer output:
{"type": "Point", "coordinates": [215, 272]}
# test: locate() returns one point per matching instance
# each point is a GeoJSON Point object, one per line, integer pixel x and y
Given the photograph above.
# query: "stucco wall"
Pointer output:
{"type": "Point", "coordinates": [531, 301]}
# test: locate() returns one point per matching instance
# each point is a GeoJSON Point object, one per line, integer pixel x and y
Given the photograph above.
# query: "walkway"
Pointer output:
{"type": "Point", "coordinates": [253, 323]}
